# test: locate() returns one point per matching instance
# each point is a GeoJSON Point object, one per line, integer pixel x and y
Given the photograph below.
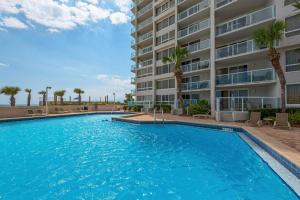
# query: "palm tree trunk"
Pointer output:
{"type": "Point", "coordinates": [28, 99]}
{"type": "Point", "coordinates": [79, 99]}
{"type": "Point", "coordinates": [274, 57]}
{"type": "Point", "coordinates": [61, 100]}
{"type": "Point", "coordinates": [44, 99]}
{"type": "Point", "coordinates": [178, 75]}
{"type": "Point", "coordinates": [12, 101]}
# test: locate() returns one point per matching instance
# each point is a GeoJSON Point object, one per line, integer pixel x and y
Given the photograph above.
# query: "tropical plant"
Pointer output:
{"type": "Point", "coordinates": [43, 93]}
{"type": "Point", "coordinates": [10, 91]}
{"type": "Point", "coordinates": [55, 95]}
{"type": "Point", "coordinates": [128, 97]}
{"type": "Point", "coordinates": [201, 107]}
{"type": "Point", "coordinates": [79, 92]}
{"type": "Point", "coordinates": [28, 96]}
{"type": "Point", "coordinates": [297, 5]}
{"type": "Point", "coordinates": [268, 37]}
{"type": "Point", "coordinates": [176, 58]}
{"type": "Point", "coordinates": [60, 94]}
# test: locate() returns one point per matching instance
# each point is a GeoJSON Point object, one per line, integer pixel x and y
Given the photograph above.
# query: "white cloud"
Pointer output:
{"type": "Point", "coordinates": [102, 77]}
{"type": "Point", "coordinates": [57, 15]}
{"type": "Point", "coordinates": [3, 65]}
{"type": "Point", "coordinates": [119, 18]}
{"type": "Point", "coordinates": [12, 22]}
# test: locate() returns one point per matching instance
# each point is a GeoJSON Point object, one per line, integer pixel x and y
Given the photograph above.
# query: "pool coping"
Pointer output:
{"type": "Point", "coordinates": [66, 115]}
{"type": "Point", "coordinates": [284, 168]}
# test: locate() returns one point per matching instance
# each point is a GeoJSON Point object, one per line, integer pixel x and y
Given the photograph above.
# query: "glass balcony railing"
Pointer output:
{"type": "Point", "coordinates": [133, 79]}
{"type": "Point", "coordinates": [145, 50]}
{"type": "Point", "coordinates": [192, 48]}
{"type": "Point", "coordinates": [246, 20]}
{"type": "Point", "coordinates": [236, 49]}
{"type": "Point", "coordinates": [195, 85]}
{"type": "Point", "coordinates": [220, 3]}
{"type": "Point", "coordinates": [145, 23]}
{"type": "Point", "coordinates": [246, 77]}
{"type": "Point", "coordinates": [145, 9]}
{"type": "Point", "coordinates": [194, 9]}
{"type": "Point", "coordinates": [201, 25]}
{"type": "Point", "coordinates": [195, 66]}
{"type": "Point", "coordinates": [145, 36]}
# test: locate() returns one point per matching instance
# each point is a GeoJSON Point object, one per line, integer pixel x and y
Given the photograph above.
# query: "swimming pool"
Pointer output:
{"type": "Point", "coordinates": [90, 157]}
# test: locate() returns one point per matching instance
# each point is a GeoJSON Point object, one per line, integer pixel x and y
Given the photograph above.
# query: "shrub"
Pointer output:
{"type": "Point", "coordinates": [294, 118]}
{"type": "Point", "coordinates": [165, 108]}
{"type": "Point", "coordinates": [202, 107]}
{"type": "Point", "coordinates": [268, 112]}
{"type": "Point", "coordinates": [137, 108]}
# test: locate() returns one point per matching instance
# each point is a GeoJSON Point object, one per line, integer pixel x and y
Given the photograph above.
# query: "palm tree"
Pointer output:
{"type": "Point", "coordinates": [10, 91]}
{"type": "Point", "coordinates": [128, 97]}
{"type": "Point", "coordinates": [28, 96]}
{"type": "Point", "coordinates": [268, 37]}
{"type": "Point", "coordinates": [79, 92]}
{"type": "Point", "coordinates": [55, 94]}
{"type": "Point", "coordinates": [176, 59]}
{"type": "Point", "coordinates": [297, 5]}
{"type": "Point", "coordinates": [61, 94]}
{"type": "Point", "coordinates": [43, 93]}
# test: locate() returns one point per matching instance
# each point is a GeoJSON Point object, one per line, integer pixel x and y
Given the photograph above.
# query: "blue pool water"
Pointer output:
{"type": "Point", "coordinates": [85, 157]}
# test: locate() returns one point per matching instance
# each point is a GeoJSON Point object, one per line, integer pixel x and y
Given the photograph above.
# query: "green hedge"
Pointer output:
{"type": "Point", "coordinates": [294, 114]}
{"type": "Point", "coordinates": [202, 107]}
{"type": "Point", "coordinates": [165, 108]}
{"type": "Point", "coordinates": [137, 108]}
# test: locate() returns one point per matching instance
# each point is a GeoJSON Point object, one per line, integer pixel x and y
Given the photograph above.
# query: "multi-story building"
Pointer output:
{"type": "Point", "coordinates": [224, 64]}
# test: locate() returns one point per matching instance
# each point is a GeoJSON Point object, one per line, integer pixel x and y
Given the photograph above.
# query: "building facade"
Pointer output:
{"type": "Point", "coordinates": [224, 64]}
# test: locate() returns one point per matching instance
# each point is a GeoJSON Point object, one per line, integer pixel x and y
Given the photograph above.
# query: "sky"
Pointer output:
{"type": "Point", "coordinates": [65, 44]}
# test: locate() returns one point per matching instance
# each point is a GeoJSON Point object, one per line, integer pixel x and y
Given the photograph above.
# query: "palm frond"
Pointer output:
{"type": "Point", "coordinates": [297, 5]}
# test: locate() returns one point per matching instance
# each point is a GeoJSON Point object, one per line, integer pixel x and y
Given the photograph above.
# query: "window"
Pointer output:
{"type": "Point", "coordinates": [165, 99]}
{"type": "Point", "coordinates": [164, 69]}
{"type": "Point", "coordinates": [165, 23]}
{"type": "Point", "coordinates": [292, 26]}
{"type": "Point", "coordinates": [143, 86]}
{"type": "Point", "coordinates": [165, 37]}
{"type": "Point", "coordinates": [293, 94]}
{"type": "Point", "coordinates": [144, 72]}
{"type": "Point", "coordinates": [165, 53]}
{"type": "Point", "coordinates": [165, 84]}
{"type": "Point", "coordinates": [292, 60]}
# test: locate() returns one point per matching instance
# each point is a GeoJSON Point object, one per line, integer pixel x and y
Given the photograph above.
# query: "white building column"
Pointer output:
{"type": "Point", "coordinates": [212, 60]}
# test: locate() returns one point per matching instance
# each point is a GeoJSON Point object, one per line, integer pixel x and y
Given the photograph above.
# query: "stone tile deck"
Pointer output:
{"type": "Point", "coordinates": [285, 142]}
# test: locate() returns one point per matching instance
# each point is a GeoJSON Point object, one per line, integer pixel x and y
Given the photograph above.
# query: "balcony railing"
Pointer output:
{"type": "Point", "coordinates": [247, 77]}
{"type": "Point", "coordinates": [143, 89]}
{"type": "Point", "coordinates": [145, 9]}
{"type": "Point", "coordinates": [145, 50]}
{"type": "Point", "coordinates": [195, 66]}
{"type": "Point", "coordinates": [194, 9]}
{"type": "Point", "coordinates": [133, 80]}
{"type": "Point", "coordinates": [201, 25]}
{"type": "Point", "coordinates": [195, 85]}
{"type": "Point", "coordinates": [246, 20]}
{"type": "Point", "coordinates": [220, 3]}
{"type": "Point", "coordinates": [145, 23]}
{"type": "Point", "coordinates": [244, 104]}
{"type": "Point", "coordinates": [192, 48]}
{"type": "Point", "coordinates": [236, 49]}
{"type": "Point", "coordinates": [145, 36]}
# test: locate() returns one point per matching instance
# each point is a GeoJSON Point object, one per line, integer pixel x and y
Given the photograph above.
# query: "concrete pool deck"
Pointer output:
{"type": "Point", "coordinates": [284, 142]}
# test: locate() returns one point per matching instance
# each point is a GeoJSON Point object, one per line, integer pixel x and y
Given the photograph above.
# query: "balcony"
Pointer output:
{"type": "Point", "coordinates": [200, 85]}
{"type": "Point", "coordinates": [245, 21]}
{"type": "Point", "coordinates": [221, 3]}
{"type": "Point", "coordinates": [145, 38]}
{"type": "Point", "coordinates": [199, 46]}
{"type": "Point", "coordinates": [133, 80]}
{"type": "Point", "coordinates": [199, 7]}
{"type": "Point", "coordinates": [232, 50]}
{"type": "Point", "coordinates": [194, 28]}
{"type": "Point", "coordinates": [144, 23]}
{"type": "Point", "coordinates": [144, 89]}
{"type": "Point", "coordinates": [145, 50]}
{"type": "Point", "coordinates": [247, 77]}
{"type": "Point", "coordinates": [194, 67]}
{"type": "Point", "coordinates": [145, 9]}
